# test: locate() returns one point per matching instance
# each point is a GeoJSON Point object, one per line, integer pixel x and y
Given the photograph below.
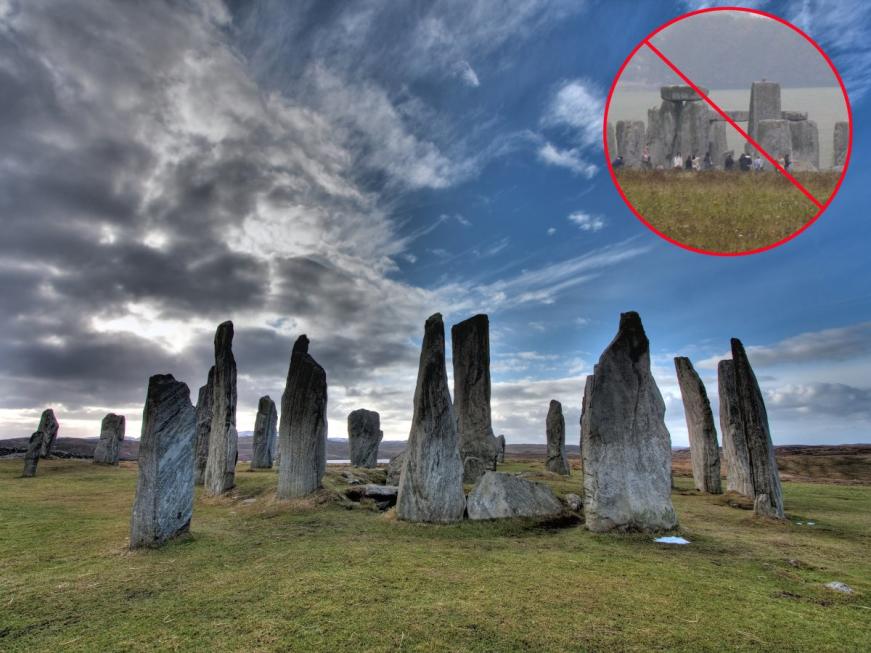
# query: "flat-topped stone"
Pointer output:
{"type": "Point", "coordinates": [498, 495]}
{"type": "Point", "coordinates": [364, 436]}
{"type": "Point", "coordinates": [794, 116]}
{"type": "Point", "coordinates": [678, 93]}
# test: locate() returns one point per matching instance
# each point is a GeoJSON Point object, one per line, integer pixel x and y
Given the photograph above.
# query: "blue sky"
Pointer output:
{"type": "Point", "coordinates": [345, 170]}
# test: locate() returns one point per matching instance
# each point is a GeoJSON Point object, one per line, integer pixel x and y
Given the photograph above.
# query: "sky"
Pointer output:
{"type": "Point", "coordinates": [345, 170]}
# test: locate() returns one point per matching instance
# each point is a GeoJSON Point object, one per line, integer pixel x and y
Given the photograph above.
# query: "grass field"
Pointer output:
{"type": "Point", "coordinates": [258, 575]}
{"type": "Point", "coordinates": [725, 212]}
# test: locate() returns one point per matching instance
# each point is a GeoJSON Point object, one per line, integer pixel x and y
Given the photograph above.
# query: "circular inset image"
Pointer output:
{"type": "Point", "coordinates": [728, 131]}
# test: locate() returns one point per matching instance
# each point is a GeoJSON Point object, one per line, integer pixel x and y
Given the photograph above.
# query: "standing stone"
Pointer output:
{"type": "Point", "coordinates": [111, 435]}
{"type": "Point", "coordinates": [500, 449]}
{"type": "Point", "coordinates": [763, 466]}
{"type": "Point", "coordinates": [471, 354]}
{"type": "Point", "coordinates": [775, 138]}
{"type": "Point", "coordinates": [840, 143]}
{"type": "Point", "coordinates": [164, 500]}
{"type": "Point", "coordinates": [764, 105]}
{"type": "Point", "coordinates": [704, 451]}
{"type": "Point", "coordinates": [303, 431]}
{"type": "Point", "coordinates": [630, 142]}
{"type": "Point", "coordinates": [556, 440]}
{"type": "Point", "coordinates": [805, 137]}
{"type": "Point", "coordinates": [364, 436]}
{"type": "Point", "coordinates": [223, 439]}
{"type": "Point", "coordinates": [394, 468]}
{"type": "Point", "coordinates": [31, 458]}
{"type": "Point", "coordinates": [612, 142]}
{"type": "Point", "coordinates": [265, 430]}
{"type": "Point", "coordinates": [626, 446]}
{"type": "Point", "coordinates": [585, 418]}
{"type": "Point", "coordinates": [49, 426]}
{"type": "Point", "coordinates": [204, 428]}
{"type": "Point", "coordinates": [431, 483]}
{"type": "Point", "coordinates": [734, 441]}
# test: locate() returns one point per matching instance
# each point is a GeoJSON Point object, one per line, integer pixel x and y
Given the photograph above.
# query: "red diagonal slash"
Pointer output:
{"type": "Point", "coordinates": [728, 119]}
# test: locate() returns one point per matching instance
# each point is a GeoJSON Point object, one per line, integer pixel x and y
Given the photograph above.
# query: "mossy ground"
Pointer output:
{"type": "Point", "coordinates": [725, 211]}
{"type": "Point", "coordinates": [257, 574]}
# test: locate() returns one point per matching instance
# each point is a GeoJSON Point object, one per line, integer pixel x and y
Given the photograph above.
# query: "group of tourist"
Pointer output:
{"type": "Point", "coordinates": [693, 163]}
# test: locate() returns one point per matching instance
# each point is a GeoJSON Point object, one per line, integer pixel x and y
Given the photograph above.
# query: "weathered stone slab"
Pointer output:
{"type": "Point", "coordinates": [204, 428]}
{"type": "Point", "coordinates": [585, 417]}
{"type": "Point", "coordinates": [223, 439]}
{"type": "Point", "coordinates": [764, 105]}
{"type": "Point", "coordinates": [49, 426]}
{"type": "Point", "coordinates": [805, 141]}
{"type": "Point", "coordinates": [34, 450]}
{"type": "Point", "coordinates": [164, 499]}
{"type": "Point", "coordinates": [678, 93]}
{"type": "Point", "coordinates": [394, 468]}
{"type": "Point", "coordinates": [303, 430]}
{"type": "Point", "coordinates": [500, 448]}
{"type": "Point", "coordinates": [555, 427]}
{"type": "Point", "coordinates": [841, 143]}
{"type": "Point", "coordinates": [383, 495]}
{"type": "Point", "coordinates": [364, 436]}
{"type": "Point", "coordinates": [704, 451]}
{"type": "Point", "coordinates": [626, 446]}
{"type": "Point", "coordinates": [470, 340]}
{"type": "Point", "coordinates": [775, 138]}
{"type": "Point", "coordinates": [111, 436]}
{"type": "Point", "coordinates": [763, 466]}
{"type": "Point", "coordinates": [630, 141]}
{"type": "Point", "coordinates": [732, 428]}
{"type": "Point", "coordinates": [795, 116]}
{"type": "Point", "coordinates": [612, 141]}
{"type": "Point", "coordinates": [431, 483]}
{"type": "Point", "coordinates": [265, 434]}
{"type": "Point", "coordinates": [498, 495]}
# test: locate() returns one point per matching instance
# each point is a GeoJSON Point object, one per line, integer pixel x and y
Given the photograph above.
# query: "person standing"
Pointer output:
{"type": "Point", "coordinates": [709, 162]}
{"type": "Point", "coordinates": [729, 164]}
{"type": "Point", "coordinates": [757, 163]}
{"type": "Point", "coordinates": [677, 162]}
{"type": "Point", "coordinates": [645, 158]}
{"type": "Point", "coordinates": [688, 164]}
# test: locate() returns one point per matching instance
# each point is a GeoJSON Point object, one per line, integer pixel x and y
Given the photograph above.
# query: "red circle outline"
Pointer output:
{"type": "Point", "coordinates": [822, 209]}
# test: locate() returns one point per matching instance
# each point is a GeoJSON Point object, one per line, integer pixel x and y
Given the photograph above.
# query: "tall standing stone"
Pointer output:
{"type": "Point", "coordinates": [49, 426]}
{"type": "Point", "coordinates": [612, 141]}
{"type": "Point", "coordinates": [805, 144]}
{"type": "Point", "coordinates": [265, 433]}
{"type": "Point", "coordinates": [31, 458]}
{"type": "Point", "coordinates": [364, 436]}
{"type": "Point", "coordinates": [763, 465]}
{"type": "Point", "coordinates": [164, 500]}
{"type": "Point", "coordinates": [764, 105]}
{"type": "Point", "coordinates": [775, 137]}
{"type": "Point", "coordinates": [223, 438]}
{"type": "Point", "coordinates": [500, 448]}
{"type": "Point", "coordinates": [204, 428]}
{"type": "Point", "coordinates": [111, 435]}
{"type": "Point", "coordinates": [630, 141]}
{"type": "Point", "coordinates": [431, 483]}
{"type": "Point", "coordinates": [840, 143]}
{"type": "Point", "coordinates": [735, 453]}
{"type": "Point", "coordinates": [704, 451]}
{"type": "Point", "coordinates": [303, 430]}
{"type": "Point", "coordinates": [627, 447]}
{"type": "Point", "coordinates": [471, 357]}
{"type": "Point", "coordinates": [585, 417]}
{"type": "Point", "coordinates": [555, 426]}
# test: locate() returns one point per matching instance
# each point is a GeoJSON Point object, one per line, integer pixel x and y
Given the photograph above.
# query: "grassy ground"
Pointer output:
{"type": "Point", "coordinates": [259, 575]}
{"type": "Point", "coordinates": [725, 212]}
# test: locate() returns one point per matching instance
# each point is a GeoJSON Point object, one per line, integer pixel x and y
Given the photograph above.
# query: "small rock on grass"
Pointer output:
{"type": "Point", "coordinates": [838, 586]}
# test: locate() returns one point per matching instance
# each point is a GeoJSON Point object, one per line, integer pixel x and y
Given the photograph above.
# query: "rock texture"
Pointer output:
{"type": "Point", "coordinates": [471, 357]}
{"type": "Point", "coordinates": [585, 417]}
{"type": "Point", "coordinates": [775, 138]}
{"type": "Point", "coordinates": [763, 466]}
{"type": "Point", "coordinates": [223, 439]}
{"type": "Point", "coordinates": [764, 105]}
{"type": "Point", "coordinates": [805, 138]}
{"type": "Point", "coordinates": [500, 448]}
{"type": "Point", "coordinates": [164, 499]}
{"type": "Point", "coordinates": [704, 451]}
{"type": "Point", "coordinates": [687, 127]}
{"type": "Point", "coordinates": [499, 495]}
{"type": "Point", "coordinates": [111, 436]}
{"type": "Point", "coordinates": [431, 483]}
{"type": "Point", "coordinates": [612, 141]}
{"type": "Point", "coordinates": [630, 141]}
{"type": "Point", "coordinates": [841, 143]}
{"type": "Point", "coordinates": [204, 428]}
{"type": "Point", "coordinates": [555, 426]}
{"type": "Point", "coordinates": [364, 436]}
{"type": "Point", "coordinates": [303, 430]}
{"type": "Point", "coordinates": [735, 451]}
{"type": "Point", "coordinates": [49, 426]}
{"type": "Point", "coordinates": [626, 446]}
{"type": "Point", "coordinates": [265, 434]}
{"type": "Point", "coordinates": [394, 468]}
{"type": "Point", "coordinates": [31, 458]}
{"type": "Point", "coordinates": [680, 93]}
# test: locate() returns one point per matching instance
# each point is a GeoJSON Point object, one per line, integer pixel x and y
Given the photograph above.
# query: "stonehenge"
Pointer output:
{"type": "Point", "coordinates": [555, 425]}
{"type": "Point", "coordinates": [626, 447]}
{"type": "Point", "coordinates": [431, 482]}
{"type": "Point", "coordinates": [204, 427]}
{"type": "Point", "coordinates": [163, 505]}
{"type": "Point", "coordinates": [841, 143]}
{"type": "Point", "coordinates": [683, 123]}
{"type": "Point", "coordinates": [630, 141]}
{"type": "Point", "coordinates": [31, 457]}
{"type": "Point", "coordinates": [265, 433]}
{"type": "Point", "coordinates": [470, 341]}
{"type": "Point", "coordinates": [764, 105]}
{"type": "Point", "coordinates": [498, 495]}
{"type": "Point", "coordinates": [735, 451]}
{"type": "Point", "coordinates": [364, 436]}
{"type": "Point", "coordinates": [220, 473]}
{"type": "Point", "coordinates": [704, 451]}
{"type": "Point", "coordinates": [48, 426]}
{"type": "Point", "coordinates": [303, 429]}
{"type": "Point", "coordinates": [111, 435]}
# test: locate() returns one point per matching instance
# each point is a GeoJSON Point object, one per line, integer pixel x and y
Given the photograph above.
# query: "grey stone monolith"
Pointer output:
{"type": "Point", "coordinates": [763, 465]}
{"type": "Point", "coordinates": [31, 457]}
{"type": "Point", "coordinates": [220, 474]}
{"type": "Point", "coordinates": [764, 105]}
{"type": "Point", "coordinates": [498, 495]}
{"type": "Point", "coordinates": [805, 142]}
{"type": "Point", "coordinates": [431, 483]}
{"type": "Point", "coordinates": [679, 93]}
{"type": "Point", "coordinates": [500, 448]}
{"type": "Point", "coordinates": [735, 453]}
{"type": "Point", "coordinates": [394, 468]}
{"type": "Point", "coordinates": [630, 141]}
{"type": "Point", "coordinates": [111, 435]}
{"type": "Point", "coordinates": [265, 434]}
{"type": "Point", "coordinates": [204, 428]}
{"type": "Point", "coordinates": [612, 141]}
{"type": "Point", "coordinates": [555, 427]}
{"type": "Point", "coordinates": [303, 430]}
{"type": "Point", "coordinates": [49, 426]}
{"type": "Point", "coordinates": [627, 447]}
{"type": "Point", "coordinates": [704, 451]}
{"type": "Point", "coordinates": [840, 143]}
{"type": "Point", "coordinates": [164, 499]}
{"type": "Point", "coordinates": [471, 358]}
{"type": "Point", "coordinates": [585, 418]}
{"type": "Point", "coordinates": [775, 138]}
{"type": "Point", "coordinates": [364, 436]}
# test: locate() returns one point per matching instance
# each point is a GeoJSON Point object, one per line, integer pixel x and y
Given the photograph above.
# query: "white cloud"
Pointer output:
{"type": "Point", "coordinates": [551, 231]}
{"type": "Point", "coordinates": [570, 158]}
{"type": "Point", "coordinates": [468, 74]}
{"type": "Point", "coordinates": [587, 222]}
{"type": "Point", "coordinates": [580, 106]}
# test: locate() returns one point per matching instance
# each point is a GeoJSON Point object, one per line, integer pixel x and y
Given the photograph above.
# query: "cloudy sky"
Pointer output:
{"type": "Point", "coordinates": [346, 169]}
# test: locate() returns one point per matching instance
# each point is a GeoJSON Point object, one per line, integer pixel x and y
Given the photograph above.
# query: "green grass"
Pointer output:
{"type": "Point", "coordinates": [258, 574]}
{"type": "Point", "coordinates": [725, 212]}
